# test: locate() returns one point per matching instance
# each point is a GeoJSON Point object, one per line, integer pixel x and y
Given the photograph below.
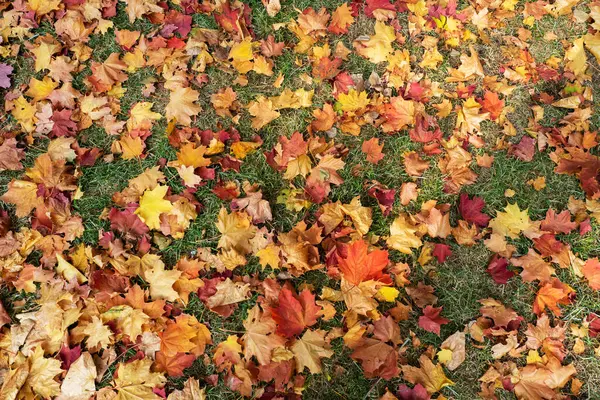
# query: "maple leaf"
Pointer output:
{"type": "Point", "coordinates": [135, 380]}
{"type": "Point", "coordinates": [525, 149]}
{"type": "Point", "coordinates": [387, 330]}
{"type": "Point", "coordinates": [511, 222]}
{"type": "Point", "coordinates": [372, 149]}
{"type": "Point", "coordinates": [492, 104]}
{"type": "Point", "coordinates": [470, 210]}
{"type": "Point", "coordinates": [294, 313]}
{"type": "Point", "coordinates": [441, 252]}
{"type": "Point", "coordinates": [5, 72]}
{"type": "Point", "coordinates": [309, 350]}
{"type": "Point", "coordinates": [359, 265]}
{"type": "Point", "coordinates": [161, 282]}
{"type": "Point", "coordinates": [558, 223]}
{"type": "Point", "coordinates": [191, 390]}
{"type": "Point", "coordinates": [97, 334]}
{"type": "Point", "coordinates": [182, 105]}
{"type": "Point", "coordinates": [324, 119]}
{"type": "Point", "coordinates": [591, 271]}
{"type": "Point", "coordinates": [431, 320]}
{"type": "Point", "coordinates": [534, 267]}
{"type": "Point", "coordinates": [263, 111]}
{"type": "Point", "coordinates": [379, 46]}
{"type": "Point", "coordinates": [352, 101]}
{"type": "Point", "coordinates": [228, 292]}
{"type": "Point", "coordinates": [41, 374]}
{"type": "Point", "coordinates": [271, 48]}
{"type": "Point", "coordinates": [80, 378]}
{"type": "Point", "coordinates": [551, 295]}
{"type": "Point", "coordinates": [497, 268]}
{"type": "Point", "coordinates": [10, 155]}
{"type": "Point", "coordinates": [174, 365]}
{"type": "Point", "coordinates": [24, 195]}
{"type": "Point", "coordinates": [236, 231]}
{"type": "Point", "coordinates": [341, 19]}
{"type": "Point", "coordinates": [431, 376]}
{"type": "Point", "coordinates": [152, 205]}
{"type": "Point", "coordinates": [377, 358]}
{"type": "Point", "coordinates": [403, 235]}
{"type": "Point", "coordinates": [398, 114]}
{"type": "Point", "coordinates": [577, 60]}
{"type": "Point", "coordinates": [260, 338]}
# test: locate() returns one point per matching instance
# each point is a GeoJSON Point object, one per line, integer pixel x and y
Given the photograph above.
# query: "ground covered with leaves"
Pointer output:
{"type": "Point", "coordinates": [308, 199]}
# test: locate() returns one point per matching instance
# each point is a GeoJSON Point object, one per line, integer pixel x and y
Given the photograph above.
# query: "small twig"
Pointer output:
{"type": "Point", "coordinates": [372, 387]}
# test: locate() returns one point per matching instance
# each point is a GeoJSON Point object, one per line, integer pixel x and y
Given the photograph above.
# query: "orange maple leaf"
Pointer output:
{"type": "Point", "coordinates": [359, 265]}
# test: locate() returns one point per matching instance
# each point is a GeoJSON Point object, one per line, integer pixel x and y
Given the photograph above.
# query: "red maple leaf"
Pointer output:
{"type": "Point", "coordinates": [384, 196]}
{"type": "Point", "coordinates": [127, 223]}
{"type": "Point", "coordinates": [69, 355]}
{"type": "Point", "coordinates": [558, 223]}
{"type": "Point", "coordinates": [416, 393]}
{"type": "Point", "coordinates": [470, 209]}
{"type": "Point", "coordinates": [359, 265]}
{"type": "Point", "coordinates": [342, 84]}
{"type": "Point", "coordinates": [497, 268]}
{"type": "Point", "coordinates": [586, 165]}
{"type": "Point", "coordinates": [326, 68]}
{"type": "Point", "coordinates": [441, 252]}
{"type": "Point", "coordinates": [431, 320]}
{"type": "Point", "coordinates": [426, 129]}
{"type": "Point", "coordinates": [372, 5]}
{"type": "Point", "coordinates": [63, 125]}
{"type": "Point", "coordinates": [524, 150]}
{"type": "Point", "coordinates": [378, 359]}
{"type": "Point", "coordinates": [294, 313]}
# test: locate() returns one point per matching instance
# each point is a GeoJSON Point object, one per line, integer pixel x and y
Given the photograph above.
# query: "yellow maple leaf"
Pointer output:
{"type": "Point", "coordinates": [511, 222]}
{"type": "Point", "coordinates": [431, 376]}
{"type": "Point", "coordinates": [161, 282]}
{"type": "Point", "coordinates": [43, 7]}
{"type": "Point", "coordinates": [68, 271]}
{"type": "Point", "coordinates": [135, 380]}
{"type": "Point", "coordinates": [129, 320]}
{"type": "Point", "coordinates": [152, 204]}
{"type": "Point", "coordinates": [379, 46]}
{"type": "Point", "coordinates": [80, 379]}
{"type": "Point", "coordinates": [129, 147]}
{"type": "Point", "coordinates": [40, 90]}
{"type": "Point", "coordinates": [592, 42]}
{"type": "Point", "coordinates": [236, 231]}
{"type": "Point", "coordinates": [576, 58]}
{"type": "Point", "coordinates": [24, 113]}
{"type": "Point", "coordinates": [269, 256]}
{"type": "Point", "coordinates": [181, 105]}
{"type": "Point", "coordinates": [263, 111]}
{"type": "Point", "coordinates": [97, 333]}
{"type": "Point", "coordinates": [23, 194]}
{"type": "Point", "coordinates": [309, 350]}
{"type": "Point", "coordinates": [141, 115]}
{"type": "Point", "coordinates": [42, 373]}
{"type": "Point", "coordinates": [402, 235]}
{"type": "Point", "coordinates": [353, 101]}
{"type": "Point", "coordinates": [241, 51]}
